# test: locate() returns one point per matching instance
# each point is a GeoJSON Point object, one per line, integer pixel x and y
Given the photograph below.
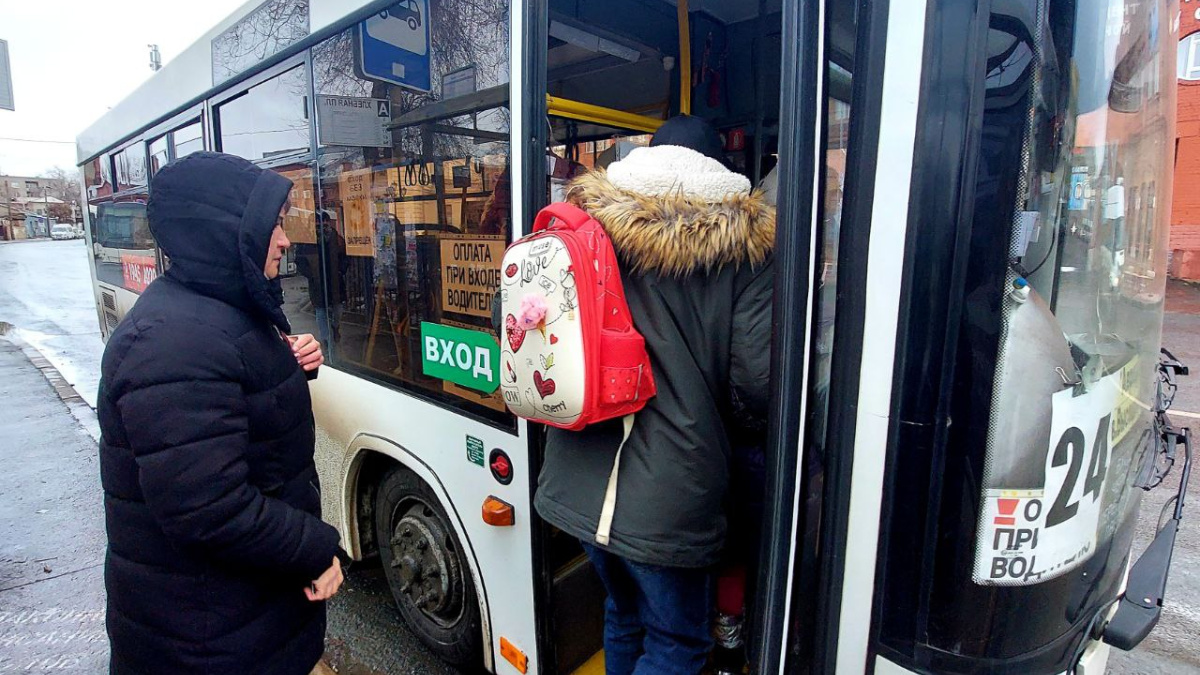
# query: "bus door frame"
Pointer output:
{"type": "Point", "coordinates": [527, 103]}
{"type": "Point", "coordinates": [799, 214]}
{"type": "Point", "coordinates": [817, 595]}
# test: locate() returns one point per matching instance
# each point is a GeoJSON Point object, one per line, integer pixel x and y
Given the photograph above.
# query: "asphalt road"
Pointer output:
{"type": "Point", "coordinates": [46, 294]}
{"type": "Point", "coordinates": [1174, 646]}
{"type": "Point", "coordinates": [51, 527]}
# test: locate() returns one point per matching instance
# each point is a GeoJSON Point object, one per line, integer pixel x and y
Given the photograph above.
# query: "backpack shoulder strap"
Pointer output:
{"type": "Point", "coordinates": [568, 214]}
{"type": "Point", "coordinates": [604, 527]}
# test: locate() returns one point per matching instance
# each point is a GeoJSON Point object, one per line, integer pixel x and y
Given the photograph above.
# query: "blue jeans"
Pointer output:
{"type": "Point", "coordinates": [656, 619]}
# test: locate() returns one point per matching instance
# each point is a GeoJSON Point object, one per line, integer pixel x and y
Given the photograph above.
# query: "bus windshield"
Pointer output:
{"type": "Point", "coordinates": [122, 225]}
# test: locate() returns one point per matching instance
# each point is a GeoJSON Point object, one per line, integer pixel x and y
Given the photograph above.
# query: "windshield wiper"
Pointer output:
{"type": "Point", "coordinates": [1141, 606]}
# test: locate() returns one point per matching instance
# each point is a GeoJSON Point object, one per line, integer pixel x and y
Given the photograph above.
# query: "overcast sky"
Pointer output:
{"type": "Point", "coordinates": [74, 59]}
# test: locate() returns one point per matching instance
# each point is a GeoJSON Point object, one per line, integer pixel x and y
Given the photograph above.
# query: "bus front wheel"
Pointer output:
{"type": "Point", "coordinates": [426, 568]}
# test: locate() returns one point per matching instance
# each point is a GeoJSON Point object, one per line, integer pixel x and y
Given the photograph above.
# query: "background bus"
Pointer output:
{"type": "Point", "coordinates": [950, 490]}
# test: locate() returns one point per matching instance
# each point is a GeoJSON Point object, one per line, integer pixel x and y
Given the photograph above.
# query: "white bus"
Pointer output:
{"type": "Point", "coordinates": [967, 327]}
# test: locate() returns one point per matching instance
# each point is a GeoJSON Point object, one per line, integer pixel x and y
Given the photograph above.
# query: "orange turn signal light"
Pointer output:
{"type": "Point", "coordinates": [513, 655]}
{"type": "Point", "coordinates": [498, 512]}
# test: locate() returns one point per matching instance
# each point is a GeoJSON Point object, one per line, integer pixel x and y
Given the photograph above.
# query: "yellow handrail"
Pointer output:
{"type": "Point", "coordinates": [685, 59]}
{"type": "Point", "coordinates": [586, 112]}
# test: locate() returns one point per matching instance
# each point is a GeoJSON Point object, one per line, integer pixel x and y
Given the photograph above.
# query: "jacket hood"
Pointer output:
{"type": "Point", "coordinates": [691, 132]}
{"type": "Point", "coordinates": [213, 214]}
{"type": "Point", "coordinates": [674, 211]}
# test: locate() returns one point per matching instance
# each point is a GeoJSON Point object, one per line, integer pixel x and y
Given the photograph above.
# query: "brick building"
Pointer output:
{"type": "Point", "coordinates": [1185, 207]}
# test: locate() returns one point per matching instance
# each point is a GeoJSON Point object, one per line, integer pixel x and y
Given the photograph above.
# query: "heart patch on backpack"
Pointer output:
{"type": "Point", "coordinates": [545, 386]}
{"type": "Point", "coordinates": [516, 336]}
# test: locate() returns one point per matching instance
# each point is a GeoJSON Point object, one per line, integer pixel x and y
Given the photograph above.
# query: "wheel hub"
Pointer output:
{"type": "Point", "coordinates": [427, 571]}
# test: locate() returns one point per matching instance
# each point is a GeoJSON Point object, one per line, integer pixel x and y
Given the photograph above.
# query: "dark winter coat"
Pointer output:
{"type": "Point", "coordinates": [211, 495]}
{"type": "Point", "coordinates": [323, 266]}
{"type": "Point", "coordinates": [698, 278]}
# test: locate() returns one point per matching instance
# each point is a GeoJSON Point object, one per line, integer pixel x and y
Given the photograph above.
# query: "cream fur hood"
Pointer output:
{"type": "Point", "coordinates": [674, 211]}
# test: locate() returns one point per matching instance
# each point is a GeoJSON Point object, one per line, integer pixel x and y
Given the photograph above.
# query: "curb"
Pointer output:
{"type": "Point", "coordinates": [65, 391]}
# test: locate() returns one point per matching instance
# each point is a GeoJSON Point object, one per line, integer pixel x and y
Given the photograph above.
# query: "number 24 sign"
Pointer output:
{"type": "Point", "coordinates": [1030, 536]}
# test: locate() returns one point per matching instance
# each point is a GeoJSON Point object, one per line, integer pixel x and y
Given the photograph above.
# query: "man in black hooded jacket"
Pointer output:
{"type": "Point", "coordinates": [218, 561]}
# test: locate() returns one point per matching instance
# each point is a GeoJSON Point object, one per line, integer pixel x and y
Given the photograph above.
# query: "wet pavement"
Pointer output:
{"type": "Point", "coordinates": [51, 522]}
{"type": "Point", "coordinates": [51, 529]}
{"type": "Point", "coordinates": [366, 634]}
{"type": "Point", "coordinates": [1173, 648]}
{"type": "Point", "coordinates": [46, 293]}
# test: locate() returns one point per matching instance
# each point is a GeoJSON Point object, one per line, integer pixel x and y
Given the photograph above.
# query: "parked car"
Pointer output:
{"type": "Point", "coordinates": [62, 231]}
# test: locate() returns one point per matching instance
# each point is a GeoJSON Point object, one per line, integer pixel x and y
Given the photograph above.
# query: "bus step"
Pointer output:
{"type": "Point", "coordinates": [593, 666]}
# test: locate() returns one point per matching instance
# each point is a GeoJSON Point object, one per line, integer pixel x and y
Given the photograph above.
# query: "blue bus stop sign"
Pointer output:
{"type": "Point", "coordinates": [393, 46]}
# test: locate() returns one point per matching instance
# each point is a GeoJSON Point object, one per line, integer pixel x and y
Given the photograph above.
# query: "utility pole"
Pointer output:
{"type": "Point", "coordinates": [8, 207]}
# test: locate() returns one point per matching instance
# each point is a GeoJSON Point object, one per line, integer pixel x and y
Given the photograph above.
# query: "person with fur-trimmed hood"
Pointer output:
{"type": "Point", "coordinates": [695, 248]}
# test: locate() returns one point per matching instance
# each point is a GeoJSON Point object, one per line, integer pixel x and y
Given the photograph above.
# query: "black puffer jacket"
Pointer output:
{"type": "Point", "coordinates": [211, 494]}
{"type": "Point", "coordinates": [695, 259]}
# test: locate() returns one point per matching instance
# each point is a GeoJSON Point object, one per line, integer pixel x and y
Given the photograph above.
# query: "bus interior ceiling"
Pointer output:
{"type": "Point", "coordinates": [623, 55]}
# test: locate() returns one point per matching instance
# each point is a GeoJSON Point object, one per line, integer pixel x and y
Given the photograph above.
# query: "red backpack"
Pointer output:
{"type": "Point", "coordinates": [569, 353]}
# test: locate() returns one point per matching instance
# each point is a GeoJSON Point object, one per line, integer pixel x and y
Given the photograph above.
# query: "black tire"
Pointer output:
{"type": "Point", "coordinates": [408, 513]}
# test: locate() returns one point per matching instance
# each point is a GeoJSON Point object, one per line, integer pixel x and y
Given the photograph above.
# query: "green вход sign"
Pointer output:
{"type": "Point", "coordinates": [465, 357]}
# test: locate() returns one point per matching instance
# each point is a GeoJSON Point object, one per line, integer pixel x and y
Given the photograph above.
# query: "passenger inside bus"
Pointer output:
{"type": "Point", "coordinates": [697, 253]}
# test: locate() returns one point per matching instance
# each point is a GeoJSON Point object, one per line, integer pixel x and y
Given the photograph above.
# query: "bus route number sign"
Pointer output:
{"type": "Point", "coordinates": [464, 357]}
{"type": "Point", "coordinates": [1027, 536]}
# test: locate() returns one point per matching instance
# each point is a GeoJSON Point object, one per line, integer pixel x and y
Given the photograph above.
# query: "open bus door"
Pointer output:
{"type": "Point", "coordinates": [602, 101]}
{"type": "Point", "coordinates": [925, 176]}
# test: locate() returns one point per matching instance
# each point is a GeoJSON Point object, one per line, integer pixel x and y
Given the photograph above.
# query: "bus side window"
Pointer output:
{"type": "Point", "coordinates": [414, 219]}
{"type": "Point", "coordinates": [188, 139]}
{"type": "Point", "coordinates": [268, 121]}
{"type": "Point", "coordinates": [158, 154]}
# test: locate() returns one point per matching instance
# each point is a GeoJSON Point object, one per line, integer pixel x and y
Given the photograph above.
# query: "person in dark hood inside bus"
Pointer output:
{"type": "Point", "coordinates": [323, 265]}
{"type": "Point", "coordinates": [695, 247]}
{"type": "Point", "coordinates": [218, 560]}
